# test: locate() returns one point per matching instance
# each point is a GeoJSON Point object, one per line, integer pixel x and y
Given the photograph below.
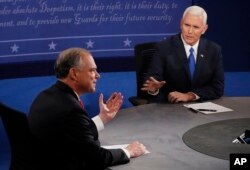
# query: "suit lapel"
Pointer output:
{"type": "Point", "coordinates": [181, 53]}
{"type": "Point", "coordinates": [199, 60]}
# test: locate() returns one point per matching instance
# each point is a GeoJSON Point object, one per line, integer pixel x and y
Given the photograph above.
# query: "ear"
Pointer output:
{"type": "Point", "coordinates": [205, 29]}
{"type": "Point", "coordinates": [181, 22]}
{"type": "Point", "coordinates": [73, 74]}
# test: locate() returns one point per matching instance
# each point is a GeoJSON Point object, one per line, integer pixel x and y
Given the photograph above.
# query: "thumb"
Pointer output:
{"type": "Point", "coordinates": [163, 82]}
{"type": "Point", "coordinates": [101, 98]}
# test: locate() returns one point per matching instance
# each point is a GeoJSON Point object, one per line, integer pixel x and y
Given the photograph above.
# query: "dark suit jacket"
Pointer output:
{"type": "Point", "coordinates": [69, 137]}
{"type": "Point", "coordinates": [170, 63]}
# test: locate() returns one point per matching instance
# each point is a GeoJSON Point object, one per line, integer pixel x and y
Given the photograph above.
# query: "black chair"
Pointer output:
{"type": "Point", "coordinates": [143, 56]}
{"type": "Point", "coordinates": [21, 141]}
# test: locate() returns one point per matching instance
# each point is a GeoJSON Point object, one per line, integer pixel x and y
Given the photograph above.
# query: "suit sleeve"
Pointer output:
{"type": "Point", "coordinates": [215, 88]}
{"type": "Point", "coordinates": [82, 135]}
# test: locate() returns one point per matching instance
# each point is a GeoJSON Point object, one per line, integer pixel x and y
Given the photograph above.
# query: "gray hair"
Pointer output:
{"type": "Point", "coordinates": [198, 11]}
{"type": "Point", "coordinates": [67, 59]}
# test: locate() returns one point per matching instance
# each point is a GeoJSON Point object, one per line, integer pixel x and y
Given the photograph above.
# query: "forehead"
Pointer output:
{"type": "Point", "coordinates": [88, 61]}
{"type": "Point", "coordinates": [193, 19]}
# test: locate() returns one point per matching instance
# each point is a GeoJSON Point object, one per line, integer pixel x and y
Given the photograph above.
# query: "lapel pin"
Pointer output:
{"type": "Point", "coordinates": [202, 55]}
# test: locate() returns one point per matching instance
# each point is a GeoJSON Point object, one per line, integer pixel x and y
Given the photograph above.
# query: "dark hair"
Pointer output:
{"type": "Point", "coordinates": [67, 59]}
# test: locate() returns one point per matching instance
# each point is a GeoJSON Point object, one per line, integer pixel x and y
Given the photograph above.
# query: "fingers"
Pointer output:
{"type": "Point", "coordinates": [115, 96]}
{"type": "Point", "coordinates": [101, 98]}
{"type": "Point", "coordinates": [152, 79]}
{"type": "Point", "coordinates": [115, 101]}
{"type": "Point", "coordinates": [172, 97]}
{"type": "Point", "coordinates": [136, 149]}
{"type": "Point", "coordinates": [176, 97]}
{"type": "Point", "coordinates": [173, 100]}
{"type": "Point", "coordinates": [162, 83]}
{"type": "Point", "coordinates": [112, 96]}
{"type": "Point", "coordinates": [152, 84]}
{"type": "Point", "coordinates": [146, 85]}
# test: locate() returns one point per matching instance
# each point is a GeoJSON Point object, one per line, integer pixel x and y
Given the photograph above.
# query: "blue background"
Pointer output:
{"type": "Point", "coordinates": [228, 26]}
{"type": "Point", "coordinates": [33, 38]}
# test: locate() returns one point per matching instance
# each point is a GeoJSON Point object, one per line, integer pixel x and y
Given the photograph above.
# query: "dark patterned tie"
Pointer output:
{"type": "Point", "coordinates": [81, 103]}
{"type": "Point", "coordinates": [191, 62]}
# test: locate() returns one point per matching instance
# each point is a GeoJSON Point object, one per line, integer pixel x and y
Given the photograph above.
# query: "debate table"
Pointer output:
{"type": "Point", "coordinates": [160, 127]}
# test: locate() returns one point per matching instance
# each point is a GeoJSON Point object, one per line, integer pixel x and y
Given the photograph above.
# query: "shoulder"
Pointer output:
{"type": "Point", "coordinates": [171, 41]}
{"type": "Point", "coordinates": [54, 98]}
{"type": "Point", "coordinates": [208, 44]}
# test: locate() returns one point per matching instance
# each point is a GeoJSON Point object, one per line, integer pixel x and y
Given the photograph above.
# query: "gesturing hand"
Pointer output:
{"type": "Point", "coordinates": [152, 85]}
{"type": "Point", "coordinates": [109, 109]}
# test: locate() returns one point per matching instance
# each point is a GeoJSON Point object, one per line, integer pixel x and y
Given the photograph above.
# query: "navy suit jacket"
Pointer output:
{"type": "Point", "coordinates": [69, 137]}
{"type": "Point", "coordinates": [170, 63]}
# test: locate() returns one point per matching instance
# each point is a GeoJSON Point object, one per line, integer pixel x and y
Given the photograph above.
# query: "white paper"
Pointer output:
{"type": "Point", "coordinates": [123, 146]}
{"type": "Point", "coordinates": [208, 105]}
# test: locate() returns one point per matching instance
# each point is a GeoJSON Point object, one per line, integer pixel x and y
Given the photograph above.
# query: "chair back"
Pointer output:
{"type": "Point", "coordinates": [143, 57]}
{"type": "Point", "coordinates": [20, 138]}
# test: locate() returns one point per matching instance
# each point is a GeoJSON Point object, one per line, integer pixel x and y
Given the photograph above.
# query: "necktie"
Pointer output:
{"type": "Point", "coordinates": [191, 62]}
{"type": "Point", "coordinates": [81, 103]}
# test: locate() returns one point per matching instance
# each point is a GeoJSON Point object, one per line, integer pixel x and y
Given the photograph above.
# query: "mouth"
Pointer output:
{"type": "Point", "coordinates": [189, 37]}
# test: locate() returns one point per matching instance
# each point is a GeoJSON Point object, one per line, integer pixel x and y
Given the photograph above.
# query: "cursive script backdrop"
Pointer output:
{"type": "Point", "coordinates": [40, 29]}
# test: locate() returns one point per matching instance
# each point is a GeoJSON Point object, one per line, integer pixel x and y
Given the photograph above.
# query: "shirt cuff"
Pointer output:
{"type": "Point", "coordinates": [196, 96]}
{"type": "Point", "coordinates": [126, 152]}
{"type": "Point", "coordinates": [155, 93]}
{"type": "Point", "coordinates": [98, 122]}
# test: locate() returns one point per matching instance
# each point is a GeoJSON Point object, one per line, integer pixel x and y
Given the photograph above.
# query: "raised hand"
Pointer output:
{"type": "Point", "coordinates": [109, 109]}
{"type": "Point", "coordinates": [152, 85]}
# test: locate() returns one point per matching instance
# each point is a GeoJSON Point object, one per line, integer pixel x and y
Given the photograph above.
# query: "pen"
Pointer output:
{"type": "Point", "coordinates": [207, 110]}
{"type": "Point", "coordinates": [193, 110]}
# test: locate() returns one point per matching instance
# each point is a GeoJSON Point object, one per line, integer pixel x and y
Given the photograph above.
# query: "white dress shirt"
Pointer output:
{"type": "Point", "coordinates": [100, 126]}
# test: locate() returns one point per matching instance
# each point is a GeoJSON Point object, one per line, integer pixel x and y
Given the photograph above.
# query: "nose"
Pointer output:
{"type": "Point", "coordinates": [190, 30]}
{"type": "Point", "coordinates": [97, 75]}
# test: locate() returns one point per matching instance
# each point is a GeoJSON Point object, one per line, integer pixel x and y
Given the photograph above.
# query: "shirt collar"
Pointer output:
{"type": "Point", "coordinates": [78, 97]}
{"type": "Point", "coordinates": [187, 46]}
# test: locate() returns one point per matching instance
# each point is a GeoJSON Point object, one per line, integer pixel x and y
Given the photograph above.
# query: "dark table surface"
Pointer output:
{"type": "Point", "coordinates": [160, 128]}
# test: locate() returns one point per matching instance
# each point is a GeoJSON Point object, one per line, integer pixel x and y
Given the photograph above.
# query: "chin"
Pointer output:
{"type": "Point", "coordinates": [190, 43]}
{"type": "Point", "coordinates": [92, 90]}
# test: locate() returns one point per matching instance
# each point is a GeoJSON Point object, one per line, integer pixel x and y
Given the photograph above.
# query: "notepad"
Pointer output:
{"type": "Point", "coordinates": [123, 146]}
{"type": "Point", "coordinates": [210, 106]}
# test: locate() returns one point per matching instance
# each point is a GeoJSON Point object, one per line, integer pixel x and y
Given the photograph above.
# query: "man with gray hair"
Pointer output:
{"type": "Point", "coordinates": [185, 66]}
{"type": "Point", "coordinates": [68, 137]}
